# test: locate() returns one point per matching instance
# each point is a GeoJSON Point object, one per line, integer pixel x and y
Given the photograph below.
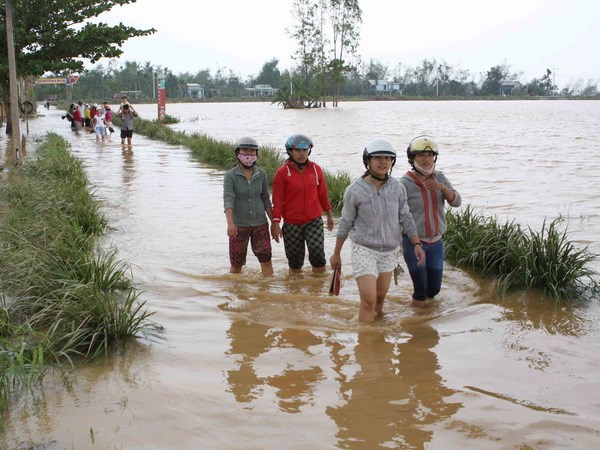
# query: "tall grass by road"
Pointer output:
{"type": "Point", "coordinates": [220, 154]}
{"type": "Point", "coordinates": [62, 297]}
{"type": "Point", "coordinates": [519, 258]}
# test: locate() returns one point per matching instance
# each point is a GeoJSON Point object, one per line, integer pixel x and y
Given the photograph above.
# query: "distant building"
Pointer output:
{"type": "Point", "coordinates": [509, 88]}
{"type": "Point", "coordinates": [260, 90]}
{"type": "Point", "coordinates": [194, 90]}
{"type": "Point", "coordinates": [385, 87]}
{"type": "Point", "coordinates": [130, 94]}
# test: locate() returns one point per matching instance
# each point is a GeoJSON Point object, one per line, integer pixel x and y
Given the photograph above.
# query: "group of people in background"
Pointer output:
{"type": "Point", "coordinates": [94, 118]}
{"type": "Point", "coordinates": [381, 215]}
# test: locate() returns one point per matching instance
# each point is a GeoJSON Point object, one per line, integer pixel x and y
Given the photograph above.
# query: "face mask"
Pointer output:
{"type": "Point", "coordinates": [247, 160]}
{"type": "Point", "coordinates": [423, 171]}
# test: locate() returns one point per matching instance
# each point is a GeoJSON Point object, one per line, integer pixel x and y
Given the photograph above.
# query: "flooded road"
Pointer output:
{"type": "Point", "coordinates": [258, 363]}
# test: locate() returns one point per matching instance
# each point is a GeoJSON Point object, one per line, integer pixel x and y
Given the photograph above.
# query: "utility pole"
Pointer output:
{"type": "Point", "coordinates": [69, 85]}
{"type": "Point", "coordinates": [13, 155]}
{"type": "Point", "coordinates": [162, 95]}
{"type": "Point", "coordinates": [153, 84]}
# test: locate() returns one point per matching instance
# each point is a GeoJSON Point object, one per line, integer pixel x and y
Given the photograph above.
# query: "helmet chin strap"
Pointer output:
{"type": "Point", "coordinates": [378, 178]}
{"type": "Point", "coordinates": [300, 165]}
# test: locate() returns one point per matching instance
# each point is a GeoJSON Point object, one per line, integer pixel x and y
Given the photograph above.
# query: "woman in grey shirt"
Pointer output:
{"type": "Point", "coordinates": [375, 213]}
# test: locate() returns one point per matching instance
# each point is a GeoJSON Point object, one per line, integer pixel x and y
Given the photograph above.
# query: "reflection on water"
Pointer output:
{"type": "Point", "coordinates": [253, 362]}
{"type": "Point", "coordinates": [293, 382]}
{"type": "Point", "coordinates": [533, 311]}
{"type": "Point", "coordinates": [395, 392]}
{"type": "Point", "coordinates": [34, 422]}
{"type": "Point", "coordinates": [388, 388]}
{"type": "Point", "coordinates": [128, 166]}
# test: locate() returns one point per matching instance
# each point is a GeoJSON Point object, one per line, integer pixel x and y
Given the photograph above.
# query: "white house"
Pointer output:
{"type": "Point", "coordinates": [386, 87]}
{"type": "Point", "coordinates": [194, 90]}
{"type": "Point", "coordinates": [509, 88]}
{"type": "Point", "coordinates": [261, 89]}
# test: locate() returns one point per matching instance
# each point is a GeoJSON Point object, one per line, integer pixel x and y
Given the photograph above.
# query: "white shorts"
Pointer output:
{"type": "Point", "coordinates": [372, 262]}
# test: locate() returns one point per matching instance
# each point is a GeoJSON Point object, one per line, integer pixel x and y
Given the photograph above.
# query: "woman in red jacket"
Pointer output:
{"type": "Point", "coordinates": [300, 197]}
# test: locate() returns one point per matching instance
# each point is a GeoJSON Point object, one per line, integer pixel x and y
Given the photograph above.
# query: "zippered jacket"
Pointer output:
{"type": "Point", "coordinates": [427, 206]}
{"type": "Point", "coordinates": [376, 219]}
{"type": "Point", "coordinates": [299, 197]}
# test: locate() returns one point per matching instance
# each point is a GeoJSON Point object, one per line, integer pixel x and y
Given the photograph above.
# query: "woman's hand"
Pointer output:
{"type": "Point", "coordinates": [420, 254]}
{"type": "Point", "coordinates": [335, 261]}
{"type": "Point", "coordinates": [231, 230]}
{"type": "Point", "coordinates": [330, 222]}
{"type": "Point", "coordinates": [432, 183]}
{"type": "Point", "coordinates": [275, 231]}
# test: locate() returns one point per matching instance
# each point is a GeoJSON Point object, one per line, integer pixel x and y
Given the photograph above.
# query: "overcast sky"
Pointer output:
{"type": "Point", "coordinates": [241, 35]}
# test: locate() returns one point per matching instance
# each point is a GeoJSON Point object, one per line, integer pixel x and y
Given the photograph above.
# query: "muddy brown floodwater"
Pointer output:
{"type": "Point", "coordinates": [258, 363]}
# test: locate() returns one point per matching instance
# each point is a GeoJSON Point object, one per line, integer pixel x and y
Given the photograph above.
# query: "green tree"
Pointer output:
{"type": "Point", "coordinates": [308, 32]}
{"type": "Point", "coordinates": [235, 86]}
{"type": "Point", "coordinates": [421, 80]}
{"type": "Point", "coordinates": [325, 27]}
{"type": "Point", "coordinates": [493, 81]}
{"type": "Point", "coordinates": [547, 82]}
{"type": "Point", "coordinates": [345, 15]}
{"type": "Point", "coordinates": [375, 71]}
{"type": "Point", "coordinates": [269, 74]}
{"type": "Point", "coordinates": [55, 36]}
{"type": "Point", "coordinates": [495, 77]}
{"type": "Point", "coordinates": [203, 77]}
{"type": "Point", "coordinates": [590, 89]}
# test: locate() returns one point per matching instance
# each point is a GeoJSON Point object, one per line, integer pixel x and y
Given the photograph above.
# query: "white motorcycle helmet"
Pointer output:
{"type": "Point", "coordinates": [379, 147]}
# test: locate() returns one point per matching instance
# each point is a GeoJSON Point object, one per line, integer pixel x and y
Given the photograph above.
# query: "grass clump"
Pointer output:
{"type": "Point", "coordinates": [170, 119]}
{"type": "Point", "coordinates": [62, 297]}
{"type": "Point", "coordinates": [520, 258]}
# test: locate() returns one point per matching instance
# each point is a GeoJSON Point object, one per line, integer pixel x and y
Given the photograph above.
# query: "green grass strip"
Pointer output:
{"type": "Point", "coordinates": [62, 297]}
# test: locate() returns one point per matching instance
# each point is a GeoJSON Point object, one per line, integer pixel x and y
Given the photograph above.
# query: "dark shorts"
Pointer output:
{"type": "Point", "coordinates": [296, 236]}
{"type": "Point", "coordinates": [126, 133]}
{"type": "Point", "coordinates": [260, 240]}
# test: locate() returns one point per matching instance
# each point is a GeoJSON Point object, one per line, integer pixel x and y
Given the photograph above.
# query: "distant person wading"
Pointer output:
{"type": "Point", "coordinates": [127, 115]}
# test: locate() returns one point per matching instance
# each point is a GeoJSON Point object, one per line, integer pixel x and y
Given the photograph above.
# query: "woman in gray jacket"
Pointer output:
{"type": "Point", "coordinates": [374, 213]}
{"type": "Point", "coordinates": [428, 191]}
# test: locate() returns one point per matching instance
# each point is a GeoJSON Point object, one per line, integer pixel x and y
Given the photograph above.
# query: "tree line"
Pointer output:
{"type": "Point", "coordinates": [429, 79]}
